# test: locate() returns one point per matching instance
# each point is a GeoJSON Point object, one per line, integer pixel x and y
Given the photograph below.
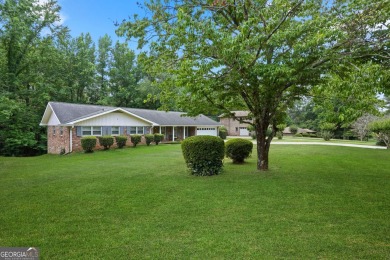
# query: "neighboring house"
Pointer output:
{"type": "Point", "coordinates": [233, 125]}
{"type": "Point", "coordinates": [287, 131]}
{"type": "Point", "coordinates": [235, 128]}
{"type": "Point", "coordinates": [67, 123]}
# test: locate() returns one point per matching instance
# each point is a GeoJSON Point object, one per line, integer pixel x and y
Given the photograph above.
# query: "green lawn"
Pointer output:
{"type": "Point", "coordinates": [315, 202]}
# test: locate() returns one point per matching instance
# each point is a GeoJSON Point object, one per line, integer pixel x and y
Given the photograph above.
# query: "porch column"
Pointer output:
{"type": "Point", "coordinates": [184, 132]}
{"type": "Point", "coordinates": [173, 133]}
{"type": "Point", "coordinates": [160, 129]}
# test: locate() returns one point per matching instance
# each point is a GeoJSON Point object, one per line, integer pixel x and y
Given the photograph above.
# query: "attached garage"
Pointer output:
{"type": "Point", "coordinates": [207, 131]}
{"type": "Point", "coordinates": [244, 131]}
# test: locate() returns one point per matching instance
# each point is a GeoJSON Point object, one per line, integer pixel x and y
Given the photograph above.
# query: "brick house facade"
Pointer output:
{"type": "Point", "coordinates": [233, 125]}
{"type": "Point", "coordinates": [68, 123]}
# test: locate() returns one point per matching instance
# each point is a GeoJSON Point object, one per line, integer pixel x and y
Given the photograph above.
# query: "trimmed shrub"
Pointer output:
{"type": "Point", "coordinates": [382, 130]}
{"type": "Point", "coordinates": [88, 143]}
{"type": "Point", "coordinates": [238, 149]}
{"type": "Point", "coordinates": [298, 135]}
{"type": "Point", "coordinates": [106, 141]}
{"type": "Point", "coordinates": [149, 138]}
{"type": "Point", "coordinates": [203, 154]}
{"type": "Point", "coordinates": [305, 134]}
{"type": "Point", "coordinates": [135, 139]}
{"type": "Point", "coordinates": [279, 135]}
{"type": "Point", "coordinates": [293, 129]}
{"type": "Point", "coordinates": [223, 132]}
{"type": "Point", "coordinates": [121, 141]}
{"type": "Point", "coordinates": [312, 135]}
{"type": "Point", "coordinates": [158, 138]}
{"type": "Point", "coordinates": [327, 135]}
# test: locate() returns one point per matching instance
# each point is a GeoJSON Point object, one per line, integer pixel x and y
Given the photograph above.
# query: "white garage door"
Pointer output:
{"type": "Point", "coordinates": [206, 131]}
{"type": "Point", "coordinates": [244, 131]}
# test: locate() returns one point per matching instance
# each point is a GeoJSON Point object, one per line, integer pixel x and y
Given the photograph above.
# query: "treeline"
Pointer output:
{"type": "Point", "coordinates": [40, 61]}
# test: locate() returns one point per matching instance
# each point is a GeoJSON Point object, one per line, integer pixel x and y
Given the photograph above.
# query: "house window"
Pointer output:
{"type": "Point", "coordinates": [61, 130]}
{"type": "Point", "coordinates": [54, 130]}
{"type": "Point", "coordinates": [91, 130]}
{"type": "Point", "coordinates": [133, 130]}
{"type": "Point", "coordinates": [137, 130]}
{"type": "Point", "coordinates": [140, 130]}
{"type": "Point", "coordinates": [97, 130]}
{"type": "Point", "coordinates": [114, 130]}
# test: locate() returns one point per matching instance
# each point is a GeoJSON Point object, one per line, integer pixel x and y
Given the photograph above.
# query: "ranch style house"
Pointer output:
{"type": "Point", "coordinates": [67, 123]}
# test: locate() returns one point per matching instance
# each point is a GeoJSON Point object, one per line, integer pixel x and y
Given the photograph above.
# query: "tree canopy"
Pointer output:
{"type": "Point", "coordinates": [40, 61]}
{"type": "Point", "coordinates": [256, 55]}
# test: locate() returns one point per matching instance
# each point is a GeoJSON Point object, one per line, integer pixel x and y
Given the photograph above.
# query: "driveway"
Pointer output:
{"type": "Point", "coordinates": [330, 144]}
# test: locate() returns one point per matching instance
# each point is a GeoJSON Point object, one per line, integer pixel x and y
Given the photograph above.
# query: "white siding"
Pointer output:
{"type": "Point", "coordinates": [53, 120]}
{"type": "Point", "coordinates": [114, 119]}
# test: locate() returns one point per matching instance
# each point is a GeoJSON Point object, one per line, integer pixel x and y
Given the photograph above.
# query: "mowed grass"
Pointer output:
{"type": "Point", "coordinates": [314, 202]}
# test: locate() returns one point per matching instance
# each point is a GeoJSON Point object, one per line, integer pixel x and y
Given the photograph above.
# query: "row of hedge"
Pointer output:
{"type": "Point", "coordinates": [88, 143]}
{"type": "Point", "coordinates": [204, 154]}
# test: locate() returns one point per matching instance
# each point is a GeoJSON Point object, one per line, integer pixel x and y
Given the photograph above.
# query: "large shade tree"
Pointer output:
{"type": "Point", "coordinates": [258, 55]}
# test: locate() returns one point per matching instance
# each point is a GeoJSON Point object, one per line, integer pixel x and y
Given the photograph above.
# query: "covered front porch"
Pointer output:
{"type": "Point", "coordinates": [175, 133]}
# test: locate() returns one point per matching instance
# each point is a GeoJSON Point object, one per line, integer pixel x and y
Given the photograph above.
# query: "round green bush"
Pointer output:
{"type": "Point", "coordinates": [326, 135]}
{"type": "Point", "coordinates": [135, 139]}
{"type": "Point", "coordinates": [158, 138]}
{"type": "Point", "coordinates": [106, 141]}
{"type": "Point", "coordinates": [238, 149]}
{"type": "Point", "coordinates": [293, 129]}
{"type": "Point", "coordinates": [121, 141]}
{"type": "Point", "coordinates": [149, 138]}
{"type": "Point", "coordinates": [223, 132]}
{"type": "Point", "coordinates": [203, 154]}
{"type": "Point", "coordinates": [88, 143]}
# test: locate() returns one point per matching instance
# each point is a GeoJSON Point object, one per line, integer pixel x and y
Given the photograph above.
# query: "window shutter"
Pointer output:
{"type": "Point", "coordinates": [106, 130]}
{"type": "Point", "coordinates": [78, 130]}
{"type": "Point", "coordinates": [122, 130]}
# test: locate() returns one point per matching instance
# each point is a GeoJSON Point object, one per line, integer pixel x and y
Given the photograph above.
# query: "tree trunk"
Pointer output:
{"type": "Point", "coordinates": [263, 144]}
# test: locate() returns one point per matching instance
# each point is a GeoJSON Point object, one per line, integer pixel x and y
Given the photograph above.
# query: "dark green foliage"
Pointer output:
{"type": "Point", "coordinates": [238, 149]}
{"type": "Point", "coordinates": [279, 135]}
{"type": "Point", "coordinates": [223, 132]}
{"type": "Point", "coordinates": [121, 141]}
{"type": "Point", "coordinates": [149, 138]}
{"type": "Point", "coordinates": [293, 129]}
{"type": "Point", "coordinates": [305, 134]}
{"type": "Point", "coordinates": [106, 141]}
{"type": "Point", "coordinates": [203, 154]}
{"type": "Point", "coordinates": [158, 138]}
{"type": "Point", "coordinates": [88, 143]}
{"type": "Point", "coordinates": [298, 135]}
{"type": "Point", "coordinates": [380, 143]}
{"type": "Point", "coordinates": [327, 135]}
{"type": "Point", "coordinates": [135, 139]}
{"type": "Point", "coordinates": [382, 130]}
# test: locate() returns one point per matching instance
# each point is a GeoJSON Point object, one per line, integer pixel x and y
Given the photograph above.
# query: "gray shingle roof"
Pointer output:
{"type": "Point", "coordinates": [68, 112]}
{"type": "Point", "coordinates": [237, 114]}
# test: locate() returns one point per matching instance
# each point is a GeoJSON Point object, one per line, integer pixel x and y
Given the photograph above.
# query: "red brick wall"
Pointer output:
{"type": "Point", "coordinates": [57, 142]}
{"type": "Point", "coordinates": [233, 126]}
